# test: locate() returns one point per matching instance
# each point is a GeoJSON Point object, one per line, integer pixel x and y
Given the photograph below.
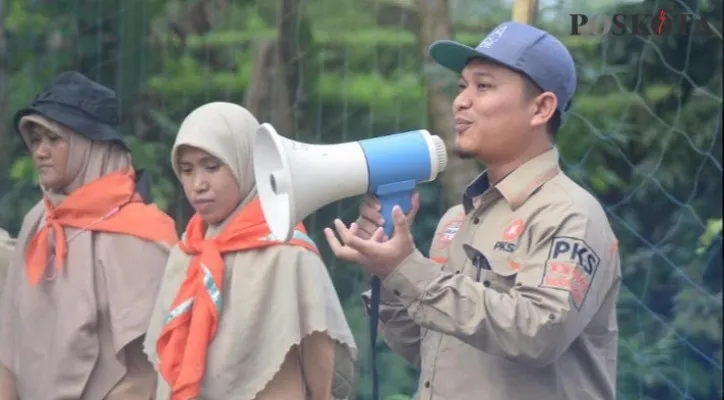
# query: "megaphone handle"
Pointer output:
{"type": "Point", "coordinates": [389, 195]}
{"type": "Point", "coordinates": [394, 194]}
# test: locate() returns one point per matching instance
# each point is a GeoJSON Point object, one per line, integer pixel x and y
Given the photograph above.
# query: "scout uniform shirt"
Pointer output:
{"type": "Point", "coordinates": [523, 305]}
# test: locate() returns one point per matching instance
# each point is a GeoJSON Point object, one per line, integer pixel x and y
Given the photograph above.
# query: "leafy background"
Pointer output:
{"type": "Point", "coordinates": [644, 134]}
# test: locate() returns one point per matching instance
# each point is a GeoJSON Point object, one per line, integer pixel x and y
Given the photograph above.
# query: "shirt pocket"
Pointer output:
{"type": "Point", "coordinates": [499, 272]}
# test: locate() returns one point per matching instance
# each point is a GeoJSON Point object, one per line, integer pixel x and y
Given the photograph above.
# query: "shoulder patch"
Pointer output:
{"type": "Point", "coordinates": [571, 266]}
{"type": "Point", "coordinates": [450, 225]}
{"type": "Point", "coordinates": [448, 232]}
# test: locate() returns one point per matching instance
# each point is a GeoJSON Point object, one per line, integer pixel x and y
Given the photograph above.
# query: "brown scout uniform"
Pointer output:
{"type": "Point", "coordinates": [537, 319]}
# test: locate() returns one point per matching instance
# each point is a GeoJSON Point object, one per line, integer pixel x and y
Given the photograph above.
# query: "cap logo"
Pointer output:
{"type": "Point", "coordinates": [493, 37]}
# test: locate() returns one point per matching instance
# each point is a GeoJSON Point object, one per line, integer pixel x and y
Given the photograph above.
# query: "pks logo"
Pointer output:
{"type": "Point", "coordinates": [510, 234]}
{"type": "Point", "coordinates": [576, 250]}
{"type": "Point", "coordinates": [571, 266]}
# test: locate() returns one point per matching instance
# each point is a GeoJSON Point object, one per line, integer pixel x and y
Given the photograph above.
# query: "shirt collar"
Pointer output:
{"type": "Point", "coordinates": [518, 185]}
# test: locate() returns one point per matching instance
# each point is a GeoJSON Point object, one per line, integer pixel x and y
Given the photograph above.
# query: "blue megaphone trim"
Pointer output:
{"type": "Point", "coordinates": [395, 164]}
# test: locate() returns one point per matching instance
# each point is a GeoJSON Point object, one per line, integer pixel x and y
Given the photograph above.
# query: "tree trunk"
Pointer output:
{"type": "Point", "coordinates": [268, 96]}
{"type": "Point", "coordinates": [435, 24]}
{"type": "Point", "coordinates": [277, 74]}
{"type": "Point", "coordinates": [525, 11]}
{"type": "Point", "coordinates": [199, 18]}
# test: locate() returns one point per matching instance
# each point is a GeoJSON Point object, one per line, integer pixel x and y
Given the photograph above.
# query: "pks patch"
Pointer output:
{"type": "Point", "coordinates": [571, 266]}
{"type": "Point", "coordinates": [513, 230]}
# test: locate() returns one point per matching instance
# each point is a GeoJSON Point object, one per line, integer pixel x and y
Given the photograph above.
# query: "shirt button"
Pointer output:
{"type": "Point", "coordinates": [427, 384]}
{"type": "Point", "coordinates": [486, 283]}
{"type": "Point", "coordinates": [396, 292]}
{"type": "Point", "coordinates": [476, 221]}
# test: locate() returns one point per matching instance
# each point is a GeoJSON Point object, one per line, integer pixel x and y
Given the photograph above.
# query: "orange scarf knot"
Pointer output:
{"type": "Point", "coordinates": [194, 314]}
{"type": "Point", "coordinates": [108, 204]}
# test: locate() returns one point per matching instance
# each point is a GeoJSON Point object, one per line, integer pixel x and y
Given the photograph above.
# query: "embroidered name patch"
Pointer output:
{"type": "Point", "coordinates": [571, 266]}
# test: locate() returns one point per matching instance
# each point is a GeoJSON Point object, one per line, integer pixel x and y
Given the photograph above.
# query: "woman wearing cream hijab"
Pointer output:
{"type": "Point", "coordinates": [240, 316]}
{"type": "Point", "coordinates": [88, 259]}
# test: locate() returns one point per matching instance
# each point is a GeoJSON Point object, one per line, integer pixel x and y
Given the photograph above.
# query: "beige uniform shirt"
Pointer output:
{"type": "Point", "coordinates": [517, 301]}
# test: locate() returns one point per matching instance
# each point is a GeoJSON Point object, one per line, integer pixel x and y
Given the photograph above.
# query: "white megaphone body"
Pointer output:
{"type": "Point", "coordinates": [295, 179]}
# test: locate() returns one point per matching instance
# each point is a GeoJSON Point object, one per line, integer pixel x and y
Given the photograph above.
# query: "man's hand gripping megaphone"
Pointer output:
{"type": "Point", "coordinates": [365, 242]}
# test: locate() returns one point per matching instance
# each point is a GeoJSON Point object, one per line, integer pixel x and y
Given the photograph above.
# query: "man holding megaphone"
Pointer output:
{"type": "Point", "coordinates": [517, 300]}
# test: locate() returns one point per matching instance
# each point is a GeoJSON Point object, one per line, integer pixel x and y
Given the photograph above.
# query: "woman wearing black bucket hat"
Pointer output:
{"type": "Point", "coordinates": [88, 260]}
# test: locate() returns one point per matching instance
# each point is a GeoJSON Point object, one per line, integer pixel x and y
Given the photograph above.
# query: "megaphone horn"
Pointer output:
{"type": "Point", "coordinates": [295, 179]}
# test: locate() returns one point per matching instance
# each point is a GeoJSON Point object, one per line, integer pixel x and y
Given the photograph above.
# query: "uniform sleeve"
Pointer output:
{"type": "Point", "coordinates": [566, 272]}
{"type": "Point", "coordinates": [399, 330]}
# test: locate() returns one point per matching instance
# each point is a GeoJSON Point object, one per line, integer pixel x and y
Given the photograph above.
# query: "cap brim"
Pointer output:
{"type": "Point", "coordinates": [455, 56]}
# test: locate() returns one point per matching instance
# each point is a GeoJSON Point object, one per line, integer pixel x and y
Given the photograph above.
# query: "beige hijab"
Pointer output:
{"type": "Point", "coordinates": [65, 338]}
{"type": "Point", "coordinates": [271, 298]}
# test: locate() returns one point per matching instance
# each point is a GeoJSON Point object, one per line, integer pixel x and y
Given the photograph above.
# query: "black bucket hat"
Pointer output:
{"type": "Point", "coordinates": [81, 104]}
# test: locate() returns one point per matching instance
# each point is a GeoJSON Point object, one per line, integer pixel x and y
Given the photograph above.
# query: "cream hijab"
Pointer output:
{"type": "Point", "coordinates": [271, 298]}
{"type": "Point", "coordinates": [65, 339]}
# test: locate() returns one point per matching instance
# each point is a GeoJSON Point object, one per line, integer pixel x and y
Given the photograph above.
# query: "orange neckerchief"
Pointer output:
{"type": "Point", "coordinates": [107, 204]}
{"type": "Point", "coordinates": [191, 324]}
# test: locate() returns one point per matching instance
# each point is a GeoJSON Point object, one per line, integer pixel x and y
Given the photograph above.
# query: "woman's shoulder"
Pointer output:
{"type": "Point", "coordinates": [296, 249]}
{"type": "Point", "coordinates": [31, 219]}
{"type": "Point", "coordinates": [134, 245]}
{"type": "Point", "coordinates": [290, 257]}
{"type": "Point", "coordinates": [34, 214]}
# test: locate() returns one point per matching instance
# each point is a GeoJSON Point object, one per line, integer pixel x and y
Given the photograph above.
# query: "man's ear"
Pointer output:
{"type": "Point", "coordinates": [545, 106]}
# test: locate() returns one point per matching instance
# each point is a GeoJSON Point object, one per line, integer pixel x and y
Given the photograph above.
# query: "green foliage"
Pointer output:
{"type": "Point", "coordinates": [713, 229]}
{"type": "Point", "coordinates": [642, 135]}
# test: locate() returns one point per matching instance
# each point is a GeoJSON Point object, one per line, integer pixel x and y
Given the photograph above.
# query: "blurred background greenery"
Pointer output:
{"type": "Point", "coordinates": [644, 134]}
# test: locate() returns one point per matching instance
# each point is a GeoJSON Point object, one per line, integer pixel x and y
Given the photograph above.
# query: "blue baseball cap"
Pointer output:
{"type": "Point", "coordinates": [522, 48]}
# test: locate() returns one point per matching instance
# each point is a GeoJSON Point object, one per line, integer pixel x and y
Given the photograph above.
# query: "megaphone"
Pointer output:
{"type": "Point", "coordinates": [295, 179]}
